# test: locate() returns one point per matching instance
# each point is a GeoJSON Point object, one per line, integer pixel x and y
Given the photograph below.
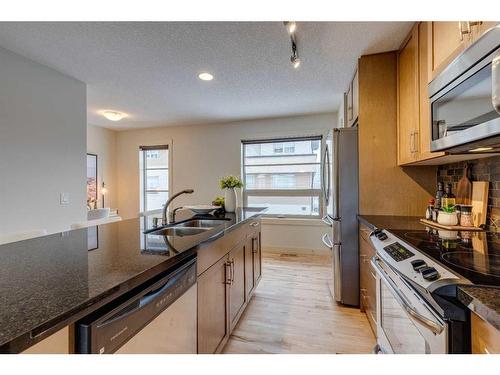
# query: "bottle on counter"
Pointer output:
{"type": "Point", "coordinates": [430, 208]}
{"type": "Point", "coordinates": [448, 199]}
{"type": "Point", "coordinates": [439, 195]}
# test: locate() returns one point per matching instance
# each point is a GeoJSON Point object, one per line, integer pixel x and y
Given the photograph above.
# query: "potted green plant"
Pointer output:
{"type": "Point", "coordinates": [448, 216]}
{"type": "Point", "coordinates": [228, 184]}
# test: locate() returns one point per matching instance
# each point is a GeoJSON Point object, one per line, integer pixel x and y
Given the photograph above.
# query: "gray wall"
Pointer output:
{"type": "Point", "coordinates": [42, 146]}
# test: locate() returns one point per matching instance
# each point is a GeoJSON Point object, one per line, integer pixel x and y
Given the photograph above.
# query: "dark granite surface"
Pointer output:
{"type": "Point", "coordinates": [391, 222]}
{"type": "Point", "coordinates": [49, 282]}
{"type": "Point", "coordinates": [483, 300]}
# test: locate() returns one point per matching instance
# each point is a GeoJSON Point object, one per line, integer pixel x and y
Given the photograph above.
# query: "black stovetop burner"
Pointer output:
{"type": "Point", "coordinates": [473, 255]}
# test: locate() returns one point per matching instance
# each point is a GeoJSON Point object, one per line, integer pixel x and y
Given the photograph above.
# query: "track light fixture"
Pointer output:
{"type": "Point", "coordinates": [291, 27]}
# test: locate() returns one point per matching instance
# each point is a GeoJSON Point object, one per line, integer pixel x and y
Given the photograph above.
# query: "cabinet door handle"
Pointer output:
{"type": "Point", "coordinates": [415, 141]}
{"type": "Point", "coordinates": [254, 245]}
{"type": "Point", "coordinates": [461, 30]}
{"type": "Point", "coordinates": [255, 224]}
{"type": "Point", "coordinates": [232, 271]}
{"type": "Point", "coordinates": [411, 142]}
{"type": "Point", "coordinates": [228, 280]}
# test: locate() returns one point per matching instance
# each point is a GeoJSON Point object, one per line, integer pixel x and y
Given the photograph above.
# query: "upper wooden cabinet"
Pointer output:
{"type": "Point", "coordinates": [352, 101]}
{"type": "Point", "coordinates": [408, 95]}
{"type": "Point", "coordinates": [447, 39]}
{"type": "Point", "coordinates": [414, 120]}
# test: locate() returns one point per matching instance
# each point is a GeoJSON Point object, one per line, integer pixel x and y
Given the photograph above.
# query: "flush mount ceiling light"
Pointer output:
{"type": "Point", "coordinates": [114, 115]}
{"type": "Point", "coordinates": [294, 58]}
{"type": "Point", "coordinates": [205, 76]}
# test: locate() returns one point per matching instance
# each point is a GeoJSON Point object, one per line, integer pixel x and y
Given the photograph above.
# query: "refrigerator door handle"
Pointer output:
{"type": "Point", "coordinates": [324, 177]}
{"type": "Point", "coordinates": [327, 220]}
{"type": "Point", "coordinates": [326, 241]}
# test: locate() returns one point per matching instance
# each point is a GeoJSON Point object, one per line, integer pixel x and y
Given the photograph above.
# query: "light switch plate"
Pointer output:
{"type": "Point", "coordinates": [64, 198]}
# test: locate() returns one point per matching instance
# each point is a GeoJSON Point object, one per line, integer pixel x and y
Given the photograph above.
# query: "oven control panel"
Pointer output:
{"type": "Point", "coordinates": [408, 260]}
{"type": "Point", "coordinates": [398, 252]}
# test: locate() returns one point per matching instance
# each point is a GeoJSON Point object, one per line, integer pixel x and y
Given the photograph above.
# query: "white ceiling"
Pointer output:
{"type": "Point", "coordinates": [149, 69]}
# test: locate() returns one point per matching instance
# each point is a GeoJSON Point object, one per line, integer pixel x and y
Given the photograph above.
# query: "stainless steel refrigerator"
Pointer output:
{"type": "Point", "coordinates": [340, 211]}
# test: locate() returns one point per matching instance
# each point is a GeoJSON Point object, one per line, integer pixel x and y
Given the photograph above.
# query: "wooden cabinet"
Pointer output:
{"type": "Point", "coordinates": [225, 287]}
{"type": "Point", "coordinates": [257, 257]}
{"type": "Point", "coordinates": [213, 298]}
{"type": "Point", "coordinates": [237, 285]}
{"type": "Point", "coordinates": [485, 337]}
{"type": "Point", "coordinates": [414, 120]}
{"type": "Point", "coordinates": [57, 343]}
{"type": "Point", "coordinates": [408, 106]}
{"type": "Point", "coordinates": [249, 277]}
{"type": "Point", "coordinates": [367, 280]}
{"type": "Point", "coordinates": [352, 100]}
{"type": "Point", "coordinates": [448, 39]}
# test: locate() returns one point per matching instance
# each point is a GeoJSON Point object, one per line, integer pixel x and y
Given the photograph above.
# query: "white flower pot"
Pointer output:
{"type": "Point", "coordinates": [445, 218]}
{"type": "Point", "coordinates": [230, 200]}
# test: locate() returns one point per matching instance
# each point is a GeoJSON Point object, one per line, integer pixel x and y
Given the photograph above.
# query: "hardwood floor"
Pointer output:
{"type": "Point", "coordinates": [292, 312]}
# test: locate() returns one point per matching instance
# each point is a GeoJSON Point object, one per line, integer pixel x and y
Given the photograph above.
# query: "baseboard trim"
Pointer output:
{"type": "Point", "coordinates": [294, 250]}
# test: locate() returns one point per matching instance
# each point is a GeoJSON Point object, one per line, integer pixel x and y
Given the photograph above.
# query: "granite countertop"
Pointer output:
{"type": "Point", "coordinates": [483, 300]}
{"type": "Point", "coordinates": [49, 282]}
{"type": "Point", "coordinates": [391, 222]}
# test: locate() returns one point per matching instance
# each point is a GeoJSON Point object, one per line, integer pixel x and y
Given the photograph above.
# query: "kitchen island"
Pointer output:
{"type": "Point", "coordinates": [50, 282]}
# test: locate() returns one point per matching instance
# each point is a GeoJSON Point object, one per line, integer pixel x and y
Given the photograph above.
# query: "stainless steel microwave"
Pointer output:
{"type": "Point", "coordinates": [465, 100]}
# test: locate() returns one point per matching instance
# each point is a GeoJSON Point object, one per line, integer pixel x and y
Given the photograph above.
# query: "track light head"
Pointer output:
{"type": "Point", "coordinates": [291, 26]}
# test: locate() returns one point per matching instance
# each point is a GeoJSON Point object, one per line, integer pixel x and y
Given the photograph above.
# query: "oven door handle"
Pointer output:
{"type": "Point", "coordinates": [431, 325]}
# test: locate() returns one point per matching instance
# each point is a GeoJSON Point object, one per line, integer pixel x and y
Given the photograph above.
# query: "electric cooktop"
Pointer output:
{"type": "Point", "coordinates": [472, 255]}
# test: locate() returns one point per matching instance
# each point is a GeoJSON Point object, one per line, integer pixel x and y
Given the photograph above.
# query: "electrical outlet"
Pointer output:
{"type": "Point", "coordinates": [64, 198]}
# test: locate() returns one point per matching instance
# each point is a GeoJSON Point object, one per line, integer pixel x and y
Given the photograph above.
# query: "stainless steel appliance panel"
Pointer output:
{"type": "Point", "coordinates": [341, 206]}
{"type": "Point", "coordinates": [464, 103]}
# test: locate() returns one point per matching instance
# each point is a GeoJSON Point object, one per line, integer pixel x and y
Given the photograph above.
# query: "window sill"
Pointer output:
{"type": "Point", "coordinates": [292, 221]}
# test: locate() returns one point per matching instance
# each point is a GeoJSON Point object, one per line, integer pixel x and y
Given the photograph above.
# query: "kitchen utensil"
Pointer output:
{"type": "Point", "coordinates": [479, 202]}
{"type": "Point", "coordinates": [464, 188]}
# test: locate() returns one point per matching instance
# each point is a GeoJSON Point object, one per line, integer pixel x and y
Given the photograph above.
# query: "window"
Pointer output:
{"type": "Point", "coordinates": [283, 174]}
{"type": "Point", "coordinates": [154, 163]}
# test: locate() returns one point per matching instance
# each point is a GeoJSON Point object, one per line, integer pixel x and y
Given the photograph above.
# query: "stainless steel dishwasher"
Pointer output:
{"type": "Point", "coordinates": [157, 319]}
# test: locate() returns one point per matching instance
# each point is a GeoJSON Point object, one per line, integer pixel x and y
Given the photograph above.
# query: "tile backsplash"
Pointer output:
{"type": "Point", "coordinates": [487, 169]}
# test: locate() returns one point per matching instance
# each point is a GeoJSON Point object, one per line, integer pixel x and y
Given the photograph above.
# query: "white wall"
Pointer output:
{"type": "Point", "coordinates": [42, 146]}
{"type": "Point", "coordinates": [204, 153]}
{"type": "Point", "coordinates": [102, 142]}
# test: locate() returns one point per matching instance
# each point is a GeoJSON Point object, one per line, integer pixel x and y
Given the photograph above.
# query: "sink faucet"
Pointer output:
{"type": "Point", "coordinates": [165, 207]}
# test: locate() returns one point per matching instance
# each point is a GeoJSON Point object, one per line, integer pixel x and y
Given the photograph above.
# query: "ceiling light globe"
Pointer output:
{"type": "Point", "coordinates": [205, 76]}
{"type": "Point", "coordinates": [114, 115]}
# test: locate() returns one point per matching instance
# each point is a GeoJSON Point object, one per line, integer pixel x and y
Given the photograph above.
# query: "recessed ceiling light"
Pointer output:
{"type": "Point", "coordinates": [114, 115]}
{"type": "Point", "coordinates": [480, 149]}
{"type": "Point", "coordinates": [205, 76]}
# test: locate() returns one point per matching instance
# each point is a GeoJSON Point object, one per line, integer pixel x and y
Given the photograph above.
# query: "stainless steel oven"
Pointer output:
{"type": "Point", "coordinates": [465, 100]}
{"type": "Point", "coordinates": [406, 324]}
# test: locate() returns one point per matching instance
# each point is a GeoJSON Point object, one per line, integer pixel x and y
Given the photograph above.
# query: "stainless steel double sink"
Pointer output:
{"type": "Point", "coordinates": [188, 228]}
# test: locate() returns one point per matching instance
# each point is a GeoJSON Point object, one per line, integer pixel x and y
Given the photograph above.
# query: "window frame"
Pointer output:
{"type": "Point", "coordinates": [284, 192]}
{"type": "Point", "coordinates": [143, 174]}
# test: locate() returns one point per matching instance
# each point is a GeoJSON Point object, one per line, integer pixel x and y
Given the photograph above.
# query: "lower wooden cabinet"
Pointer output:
{"type": "Point", "coordinates": [225, 288]}
{"type": "Point", "coordinates": [367, 280]}
{"type": "Point", "coordinates": [485, 337]}
{"type": "Point", "coordinates": [257, 257]}
{"type": "Point", "coordinates": [57, 343]}
{"type": "Point", "coordinates": [213, 297]}
{"type": "Point", "coordinates": [237, 285]}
